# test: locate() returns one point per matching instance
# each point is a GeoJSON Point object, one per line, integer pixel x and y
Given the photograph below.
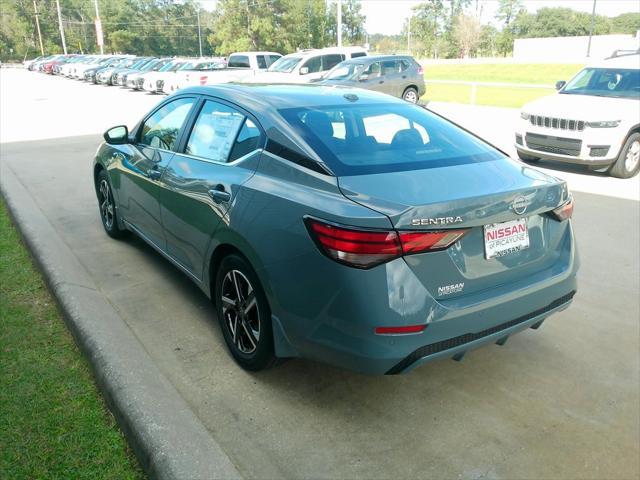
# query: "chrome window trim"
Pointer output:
{"type": "Point", "coordinates": [216, 162]}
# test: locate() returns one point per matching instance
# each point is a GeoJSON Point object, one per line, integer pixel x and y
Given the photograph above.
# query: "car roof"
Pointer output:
{"type": "Point", "coordinates": [631, 61]}
{"type": "Point", "coordinates": [255, 53]}
{"type": "Point", "coordinates": [320, 51]}
{"type": "Point", "coordinates": [378, 58]}
{"type": "Point", "coordinates": [268, 97]}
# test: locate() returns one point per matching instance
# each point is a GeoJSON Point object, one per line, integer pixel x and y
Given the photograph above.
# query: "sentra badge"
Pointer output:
{"type": "Point", "coordinates": [421, 222]}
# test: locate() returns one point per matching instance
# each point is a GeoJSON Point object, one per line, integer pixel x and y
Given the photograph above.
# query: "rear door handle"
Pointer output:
{"type": "Point", "coordinates": [219, 195]}
{"type": "Point", "coordinates": [381, 81]}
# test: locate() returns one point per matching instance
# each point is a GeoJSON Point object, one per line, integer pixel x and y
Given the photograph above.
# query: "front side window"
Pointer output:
{"type": "Point", "coordinates": [360, 139]}
{"type": "Point", "coordinates": [214, 132]}
{"type": "Point", "coordinates": [330, 61]}
{"type": "Point", "coordinates": [605, 82]}
{"type": "Point", "coordinates": [274, 58]}
{"type": "Point", "coordinates": [373, 70]}
{"type": "Point", "coordinates": [314, 64]}
{"type": "Point", "coordinates": [161, 129]}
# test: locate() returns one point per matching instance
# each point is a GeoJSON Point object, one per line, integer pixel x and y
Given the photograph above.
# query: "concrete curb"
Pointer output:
{"type": "Point", "coordinates": [166, 436]}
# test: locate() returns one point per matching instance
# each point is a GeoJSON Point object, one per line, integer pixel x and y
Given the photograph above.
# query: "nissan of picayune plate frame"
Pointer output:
{"type": "Point", "coordinates": [339, 224]}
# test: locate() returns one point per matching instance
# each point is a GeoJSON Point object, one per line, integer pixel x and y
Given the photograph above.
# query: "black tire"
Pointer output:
{"type": "Point", "coordinates": [107, 207]}
{"type": "Point", "coordinates": [410, 95]}
{"type": "Point", "coordinates": [622, 167]}
{"type": "Point", "coordinates": [251, 352]}
{"type": "Point", "coordinates": [527, 158]}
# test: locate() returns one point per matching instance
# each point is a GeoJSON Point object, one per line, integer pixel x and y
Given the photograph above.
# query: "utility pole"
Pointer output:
{"type": "Point", "coordinates": [35, 9]}
{"type": "Point", "coordinates": [199, 34]}
{"type": "Point", "coordinates": [64, 43]}
{"type": "Point", "coordinates": [99, 37]}
{"type": "Point", "coordinates": [593, 21]}
{"type": "Point", "coordinates": [339, 21]}
{"type": "Point", "coordinates": [409, 36]}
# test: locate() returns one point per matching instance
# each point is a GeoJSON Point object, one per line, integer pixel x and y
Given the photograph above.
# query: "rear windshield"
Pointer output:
{"type": "Point", "coordinates": [378, 138]}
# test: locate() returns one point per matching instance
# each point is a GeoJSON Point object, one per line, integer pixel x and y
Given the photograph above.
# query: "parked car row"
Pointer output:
{"type": "Point", "coordinates": [397, 75]}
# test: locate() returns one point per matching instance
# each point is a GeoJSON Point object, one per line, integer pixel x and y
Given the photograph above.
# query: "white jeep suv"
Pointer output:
{"type": "Point", "coordinates": [593, 120]}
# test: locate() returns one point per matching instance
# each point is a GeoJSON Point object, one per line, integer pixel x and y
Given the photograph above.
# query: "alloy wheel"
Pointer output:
{"type": "Point", "coordinates": [106, 204]}
{"type": "Point", "coordinates": [240, 311]}
{"type": "Point", "coordinates": [411, 96]}
{"type": "Point", "coordinates": [633, 156]}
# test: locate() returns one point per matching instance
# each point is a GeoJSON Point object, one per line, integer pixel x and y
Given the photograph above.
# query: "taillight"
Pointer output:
{"type": "Point", "coordinates": [564, 211]}
{"type": "Point", "coordinates": [416, 242]}
{"type": "Point", "coordinates": [203, 80]}
{"type": "Point", "coordinates": [420, 70]}
{"type": "Point", "coordinates": [362, 248]}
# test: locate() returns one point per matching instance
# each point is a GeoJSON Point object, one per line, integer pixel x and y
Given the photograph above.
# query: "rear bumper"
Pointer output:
{"type": "Point", "coordinates": [455, 346]}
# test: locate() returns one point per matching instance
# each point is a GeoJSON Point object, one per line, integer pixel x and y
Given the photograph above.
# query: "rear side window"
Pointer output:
{"type": "Point", "coordinates": [358, 54]}
{"type": "Point", "coordinates": [262, 61]}
{"type": "Point", "coordinates": [247, 141]}
{"type": "Point", "coordinates": [403, 65]}
{"type": "Point", "coordinates": [214, 132]}
{"type": "Point", "coordinates": [161, 129]}
{"type": "Point", "coordinates": [239, 61]}
{"type": "Point", "coordinates": [330, 61]}
{"type": "Point", "coordinates": [389, 67]}
{"type": "Point", "coordinates": [376, 138]}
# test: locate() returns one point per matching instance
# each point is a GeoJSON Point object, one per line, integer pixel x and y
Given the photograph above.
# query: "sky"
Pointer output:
{"type": "Point", "coordinates": [388, 16]}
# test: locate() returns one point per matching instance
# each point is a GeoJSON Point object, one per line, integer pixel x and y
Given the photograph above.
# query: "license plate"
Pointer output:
{"type": "Point", "coordinates": [501, 239]}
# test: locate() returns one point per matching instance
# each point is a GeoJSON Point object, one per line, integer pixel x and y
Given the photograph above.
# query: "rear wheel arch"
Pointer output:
{"type": "Point", "coordinates": [225, 249]}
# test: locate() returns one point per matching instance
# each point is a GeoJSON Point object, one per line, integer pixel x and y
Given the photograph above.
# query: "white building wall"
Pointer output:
{"type": "Point", "coordinates": [572, 49]}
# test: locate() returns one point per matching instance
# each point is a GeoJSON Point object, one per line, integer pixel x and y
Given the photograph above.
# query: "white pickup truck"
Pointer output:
{"type": "Point", "coordinates": [239, 66]}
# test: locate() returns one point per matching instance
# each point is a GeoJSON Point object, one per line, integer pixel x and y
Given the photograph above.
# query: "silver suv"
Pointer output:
{"type": "Point", "coordinates": [397, 75]}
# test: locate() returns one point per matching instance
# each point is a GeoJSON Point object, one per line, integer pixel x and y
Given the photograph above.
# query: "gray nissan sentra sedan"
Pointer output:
{"type": "Point", "coordinates": [340, 224]}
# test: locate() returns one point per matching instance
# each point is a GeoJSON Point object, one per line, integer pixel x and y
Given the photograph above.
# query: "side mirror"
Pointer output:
{"type": "Point", "coordinates": [364, 77]}
{"type": "Point", "coordinates": [117, 135]}
{"type": "Point", "coordinates": [304, 70]}
{"type": "Point", "coordinates": [560, 84]}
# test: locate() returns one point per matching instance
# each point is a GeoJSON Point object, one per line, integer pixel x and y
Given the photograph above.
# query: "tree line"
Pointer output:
{"type": "Point", "coordinates": [436, 28]}
{"type": "Point", "coordinates": [164, 27]}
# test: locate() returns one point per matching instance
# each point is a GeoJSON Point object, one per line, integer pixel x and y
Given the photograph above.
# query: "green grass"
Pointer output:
{"type": "Point", "coordinates": [543, 74]}
{"type": "Point", "coordinates": [538, 73]}
{"type": "Point", "coordinates": [53, 421]}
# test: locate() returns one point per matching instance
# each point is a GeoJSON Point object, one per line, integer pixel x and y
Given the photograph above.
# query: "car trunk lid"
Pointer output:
{"type": "Point", "coordinates": [469, 196]}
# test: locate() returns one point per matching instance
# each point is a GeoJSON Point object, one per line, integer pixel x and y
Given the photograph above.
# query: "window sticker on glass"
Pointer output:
{"type": "Point", "coordinates": [214, 132]}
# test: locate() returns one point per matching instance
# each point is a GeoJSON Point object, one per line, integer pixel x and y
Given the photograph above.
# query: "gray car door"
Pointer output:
{"type": "Point", "coordinates": [204, 178]}
{"type": "Point", "coordinates": [372, 78]}
{"type": "Point", "coordinates": [142, 166]}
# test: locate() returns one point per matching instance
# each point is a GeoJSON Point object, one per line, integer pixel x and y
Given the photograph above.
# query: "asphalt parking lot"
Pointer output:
{"type": "Point", "coordinates": [559, 402]}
